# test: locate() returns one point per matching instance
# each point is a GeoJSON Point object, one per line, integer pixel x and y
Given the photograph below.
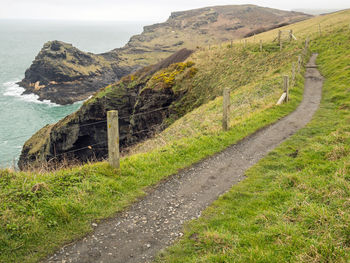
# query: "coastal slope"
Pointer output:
{"type": "Point", "coordinates": [63, 74]}
{"type": "Point", "coordinates": [137, 97]}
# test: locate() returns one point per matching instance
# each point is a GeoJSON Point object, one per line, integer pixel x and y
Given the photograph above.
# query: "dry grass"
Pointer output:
{"type": "Point", "coordinates": [294, 205]}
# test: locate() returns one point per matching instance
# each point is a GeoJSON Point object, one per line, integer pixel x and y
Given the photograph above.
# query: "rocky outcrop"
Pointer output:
{"type": "Point", "coordinates": [143, 101]}
{"type": "Point", "coordinates": [64, 74]}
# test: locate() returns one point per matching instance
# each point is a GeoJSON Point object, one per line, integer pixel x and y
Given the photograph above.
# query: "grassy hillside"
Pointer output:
{"type": "Point", "coordinates": [41, 212]}
{"type": "Point", "coordinates": [198, 27]}
{"type": "Point", "coordinates": [309, 27]}
{"type": "Point", "coordinates": [294, 205]}
{"type": "Point", "coordinates": [252, 76]}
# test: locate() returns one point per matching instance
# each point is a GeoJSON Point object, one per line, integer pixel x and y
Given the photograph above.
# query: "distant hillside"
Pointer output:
{"type": "Point", "coordinates": [200, 27]}
{"type": "Point", "coordinates": [64, 74]}
{"type": "Point", "coordinates": [316, 11]}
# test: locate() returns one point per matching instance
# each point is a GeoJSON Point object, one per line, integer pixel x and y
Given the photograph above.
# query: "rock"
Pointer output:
{"type": "Point", "coordinates": [64, 74]}
{"type": "Point", "coordinates": [142, 102]}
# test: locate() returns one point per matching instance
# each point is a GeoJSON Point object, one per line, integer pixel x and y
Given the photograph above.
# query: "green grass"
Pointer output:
{"type": "Point", "coordinates": [294, 204]}
{"type": "Point", "coordinates": [35, 223]}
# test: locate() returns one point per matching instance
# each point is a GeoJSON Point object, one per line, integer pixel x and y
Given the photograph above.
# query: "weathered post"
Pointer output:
{"type": "Point", "coordinates": [293, 73]}
{"type": "Point", "coordinates": [226, 109]}
{"type": "Point", "coordinates": [245, 43]}
{"type": "Point", "coordinates": [306, 44]}
{"type": "Point", "coordinates": [113, 138]}
{"type": "Point", "coordinates": [261, 46]}
{"type": "Point", "coordinates": [279, 36]}
{"type": "Point", "coordinates": [299, 63]}
{"type": "Point", "coordinates": [286, 86]}
{"type": "Point", "coordinates": [319, 29]}
{"type": "Point", "coordinates": [281, 46]}
{"type": "Point", "coordinates": [280, 39]}
{"type": "Point", "coordinates": [290, 35]}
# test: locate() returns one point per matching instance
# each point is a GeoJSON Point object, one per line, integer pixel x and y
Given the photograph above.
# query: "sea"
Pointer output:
{"type": "Point", "coordinates": [20, 41]}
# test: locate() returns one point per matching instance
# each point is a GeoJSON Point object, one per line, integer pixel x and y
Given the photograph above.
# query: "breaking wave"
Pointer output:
{"type": "Point", "coordinates": [12, 89]}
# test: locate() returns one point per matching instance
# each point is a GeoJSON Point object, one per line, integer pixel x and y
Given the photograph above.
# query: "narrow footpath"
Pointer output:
{"type": "Point", "coordinates": [155, 222]}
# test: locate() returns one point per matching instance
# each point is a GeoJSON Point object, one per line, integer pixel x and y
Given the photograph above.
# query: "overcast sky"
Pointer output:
{"type": "Point", "coordinates": [136, 10]}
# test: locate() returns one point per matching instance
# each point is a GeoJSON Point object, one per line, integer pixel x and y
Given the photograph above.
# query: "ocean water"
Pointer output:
{"type": "Point", "coordinates": [20, 41]}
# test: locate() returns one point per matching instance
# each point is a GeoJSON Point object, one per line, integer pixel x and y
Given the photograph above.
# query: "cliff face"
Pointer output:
{"type": "Point", "coordinates": [64, 74]}
{"type": "Point", "coordinates": [143, 101]}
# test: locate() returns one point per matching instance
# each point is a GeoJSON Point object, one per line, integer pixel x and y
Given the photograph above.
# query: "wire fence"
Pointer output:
{"type": "Point", "coordinates": [148, 131]}
{"type": "Point", "coordinates": [92, 147]}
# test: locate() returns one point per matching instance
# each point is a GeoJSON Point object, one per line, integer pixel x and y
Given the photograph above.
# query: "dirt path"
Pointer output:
{"type": "Point", "coordinates": [154, 223]}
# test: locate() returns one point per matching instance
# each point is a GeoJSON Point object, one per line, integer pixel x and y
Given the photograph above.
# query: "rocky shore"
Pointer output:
{"type": "Point", "coordinates": [64, 74]}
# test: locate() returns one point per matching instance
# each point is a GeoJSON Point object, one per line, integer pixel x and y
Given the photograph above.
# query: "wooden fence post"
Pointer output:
{"type": "Point", "coordinates": [279, 36]}
{"type": "Point", "coordinates": [281, 46]}
{"type": "Point", "coordinates": [299, 63]}
{"type": "Point", "coordinates": [286, 86]}
{"type": "Point", "coordinates": [290, 35]}
{"type": "Point", "coordinates": [226, 109]}
{"type": "Point", "coordinates": [319, 29]}
{"type": "Point", "coordinates": [305, 48]}
{"type": "Point", "coordinates": [261, 46]}
{"type": "Point", "coordinates": [245, 43]}
{"type": "Point", "coordinates": [113, 138]}
{"type": "Point", "coordinates": [306, 44]}
{"type": "Point", "coordinates": [293, 73]}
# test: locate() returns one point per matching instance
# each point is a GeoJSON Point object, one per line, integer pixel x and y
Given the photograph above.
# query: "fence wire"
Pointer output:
{"type": "Point", "coordinates": [149, 131]}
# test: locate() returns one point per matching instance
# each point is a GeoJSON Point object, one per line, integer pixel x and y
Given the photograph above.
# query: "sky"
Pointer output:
{"type": "Point", "coordinates": [137, 10]}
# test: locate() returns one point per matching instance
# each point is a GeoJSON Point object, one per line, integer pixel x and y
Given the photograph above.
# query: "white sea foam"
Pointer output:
{"type": "Point", "coordinates": [81, 101]}
{"type": "Point", "coordinates": [12, 89]}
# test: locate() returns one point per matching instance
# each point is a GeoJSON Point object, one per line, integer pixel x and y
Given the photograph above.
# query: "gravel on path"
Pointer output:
{"type": "Point", "coordinates": [156, 221]}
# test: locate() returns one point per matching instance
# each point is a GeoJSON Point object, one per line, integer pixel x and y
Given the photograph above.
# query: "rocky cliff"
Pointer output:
{"type": "Point", "coordinates": [143, 101]}
{"type": "Point", "coordinates": [64, 74]}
